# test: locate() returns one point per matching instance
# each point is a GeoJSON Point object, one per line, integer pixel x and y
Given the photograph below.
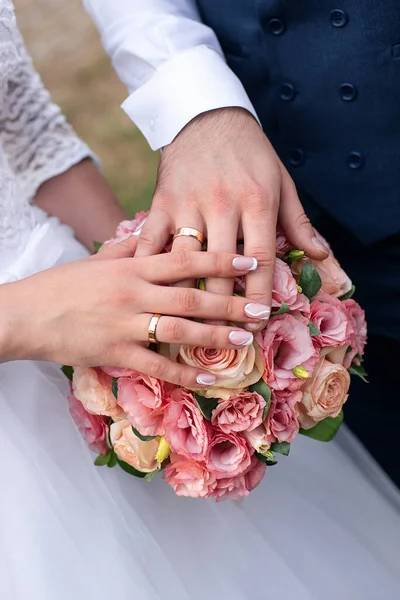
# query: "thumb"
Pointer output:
{"type": "Point", "coordinates": [296, 224]}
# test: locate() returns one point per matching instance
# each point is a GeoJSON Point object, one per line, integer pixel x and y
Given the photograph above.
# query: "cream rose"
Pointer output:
{"type": "Point", "coordinates": [324, 395]}
{"type": "Point", "coordinates": [129, 448]}
{"type": "Point", "coordinates": [235, 369]}
{"type": "Point", "coordinates": [93, 388]}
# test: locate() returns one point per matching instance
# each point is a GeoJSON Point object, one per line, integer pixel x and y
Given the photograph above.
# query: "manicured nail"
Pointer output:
{"type": "Point", "coordinates": [241, 338]}
{"type": "Point", "coordinates": [257, 311]}
{"type": "Point", "coordinates": [206, 379]}
{"type": "Point", "coordinates": [319, 244]}
{"type": "Point", "coordinates": [243, 263]}
{"type": "Point", "coordinates": [254, 326]}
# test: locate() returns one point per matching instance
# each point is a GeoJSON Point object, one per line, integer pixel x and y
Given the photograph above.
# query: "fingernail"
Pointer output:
{"type": "Point", "coordinates": [243, 263]}
{"type": "Point", "coordinates": [206, 379]}
{"type": "Point", "coordinates": [319, 244]}
{"type": "Point", "coordinates": [241, 338]}
{"type": "Point", "coordinates": [258, 311]}
{"type": "Point", "coordinates": [139, 228]}
{"type": "Point", "coordinates": [254, 326]}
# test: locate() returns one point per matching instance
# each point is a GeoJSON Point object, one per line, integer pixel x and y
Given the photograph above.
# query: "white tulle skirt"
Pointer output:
{"type": "Point", "coordinates": [324, 524]}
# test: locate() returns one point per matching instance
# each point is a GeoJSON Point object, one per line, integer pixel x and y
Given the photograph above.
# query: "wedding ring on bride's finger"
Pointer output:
{"type": "Point", "coordinates": [152, 328]}
{"type": "Point", "coordinates": [190, 232]}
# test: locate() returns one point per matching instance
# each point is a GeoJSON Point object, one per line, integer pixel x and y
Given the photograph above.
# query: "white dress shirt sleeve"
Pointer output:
{"type": "Point", "coordinates": [171, 63]}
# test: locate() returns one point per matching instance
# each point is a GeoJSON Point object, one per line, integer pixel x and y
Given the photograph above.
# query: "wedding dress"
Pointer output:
{"type": "Point", "coordinates": [323, 525]}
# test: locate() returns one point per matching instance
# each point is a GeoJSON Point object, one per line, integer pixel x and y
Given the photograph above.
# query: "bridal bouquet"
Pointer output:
{"type": "Point", "coordinates": [218, 441]}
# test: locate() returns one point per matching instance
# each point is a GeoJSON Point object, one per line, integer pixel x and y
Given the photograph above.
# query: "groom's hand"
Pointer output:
{"type": "Point", "coordinates": [222, 176]}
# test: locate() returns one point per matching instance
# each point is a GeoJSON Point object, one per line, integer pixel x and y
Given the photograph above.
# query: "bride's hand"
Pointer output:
{"type": "Point", "coordinates": [96, 311]}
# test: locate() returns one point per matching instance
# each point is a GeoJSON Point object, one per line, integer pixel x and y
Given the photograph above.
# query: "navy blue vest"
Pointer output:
{"type": "Point", "coordinates": [324, 77]}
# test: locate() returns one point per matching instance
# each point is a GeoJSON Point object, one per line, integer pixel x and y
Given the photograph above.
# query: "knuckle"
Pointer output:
{"type": "Point", "coordinates": [301, 220]}
{"type": "Point", "coordinates": [188, 300]}
{"type": "Point", "coordinates": [158, 369]}
{"type": "Point", "coordinates": [219, 263]}
{"type": "Point", "coordinates": [265, 260]}
{"type": "Point", "coordinates": [258, 296]}
{"type": "Point", "coordinates": [146, 238]}
{"type": "Point", "coordinates": [181, 260]}
{"type": "Point", "coordinates": [213, 337]}
{"type": "Point", "coordinates": [174, 330]}
{"type": "Point", "coordinates": [221, 201]}
{"type": "Point", "coordinates": [231, 306]}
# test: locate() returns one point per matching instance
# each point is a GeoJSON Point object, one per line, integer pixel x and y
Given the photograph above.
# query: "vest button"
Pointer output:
{"type": "Point", "coordinates": [288, 92]}
{"type": "Point", "coordinates": [338, 18]}
{"type": "Point", "coordinates": [276, 26]}
{"type": "Point", "coordinates": [355, 160]}
{"type": "Point", "coordinates": [348, 92]}
{"type": "Point", "coordinates": [297, 157]}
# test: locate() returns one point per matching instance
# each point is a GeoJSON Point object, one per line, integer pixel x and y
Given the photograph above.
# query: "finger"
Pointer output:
{"type": "Point", "coordinates": [123, 247]}
{"type": "Point", "coordinates": [155, 233]}
{"type": "Point", "coordinates": [259, 228]}
{"type": "Point", "coordinates": [192, 303]}
{"type": "Point", "coordinates": [160, 367]}
{"type": "Point", "coordinates": [169, 268]}
{"type": "Point", "coordinates": [295, 223]}
{"type": "Point", "coordinates": [222, 235]}
{"type": "Point", "coordinates": [186, 243]}
{"type": "Point", "coordinates": [174, 330]}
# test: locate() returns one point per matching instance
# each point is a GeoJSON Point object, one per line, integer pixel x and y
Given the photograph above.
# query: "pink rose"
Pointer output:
{"type": "Point", "coordinates": [185, 429]}
{"type": "Point", "coordinates": [325, 394]}
{"type": "Point", "coordinates": [189, 478]}
{"type": "Point", "coordinates": [358, 337]}
{"type": "Point", "coordinates": [329, 315]}
{"type": "Point", "coordinates": [286, 343]}
{"type": "Point", "coordinates": [130, 449]}
{"type": "Point", "coordinates": [282, 244]}
{"type": "Point", "coordinates": [143, 399]}
{"type": "Point", "coordinates": [228, 454]}
{"type": "Point", "coordinates": [93, 388]}
{"type": "Point", "coordinates": [283, 416]}
{"type": "Point", "coordinates": [235, 369]}
{"type": "Point", "coordinates": [132, 225]}
{"type": "Point", "coordinates": [93, 428]}
{"type": "Point", "coordinates": [240, 413]}
{"type": "Point", "coordinates": [285, 289]}
{"type": "Point", "coordinates": [232, 488]}
{"type": "Point", "coordinates": [260, 438]}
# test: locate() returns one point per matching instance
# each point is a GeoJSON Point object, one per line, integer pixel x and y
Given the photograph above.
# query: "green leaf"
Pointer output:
{"type": "Point", "coordinates": [265, 391]}
{"type": "Point", "coordinates": [268, 458]}
{"type": "Point", "coordinates": [349, 294]}
{"type": "Point", "coordinates": [68, 371]}
{"type": "Point", "coordinates": [325, 430]}
{"type": "Point", "coordinates": [112, 461]}
{"type": "Point", "coordinates": [130, 470]}
{"type": "Point", "coordinates": [281, 448]}
{"type": "Point", "coordinates": [103, 459]}
{"type": "Point", "coordinates": [313, 329]}
{"type": "Point", "coordinates": [310, 281]}
{"type": "Point", "coordinates": [97, 246]}
{"type": "Point", "coordinates": [206, 405]}
{"type": "Point", "coordinates": [359, 371]}
{"type": "Point", "coordinates": [284, 308]}
{"type": "Point", "coordinates": [144, 438]}
{"type": "Point", "coordinates": [114, 386]}
{"type": "Point", "coordinates": [150, 476]}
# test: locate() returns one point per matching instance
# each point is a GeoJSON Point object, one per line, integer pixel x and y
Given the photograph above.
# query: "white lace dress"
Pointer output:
{"type": "Point", "coordinates": [323, 525]}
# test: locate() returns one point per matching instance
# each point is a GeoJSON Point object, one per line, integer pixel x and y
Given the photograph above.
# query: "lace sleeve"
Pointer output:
{"type": "Point", "coordinates": [38, 141]}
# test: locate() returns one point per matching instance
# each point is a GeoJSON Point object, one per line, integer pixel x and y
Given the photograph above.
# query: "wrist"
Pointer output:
{"type": "Point", "coordinates": [9, 329]}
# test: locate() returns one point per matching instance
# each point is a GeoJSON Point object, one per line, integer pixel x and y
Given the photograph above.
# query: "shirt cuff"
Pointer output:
{"type": "Point", "coordinates": [189, 84]}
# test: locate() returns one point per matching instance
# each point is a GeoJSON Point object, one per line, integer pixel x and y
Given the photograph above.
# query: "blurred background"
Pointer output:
{"type": "Point", "coordinates": [67, 52]}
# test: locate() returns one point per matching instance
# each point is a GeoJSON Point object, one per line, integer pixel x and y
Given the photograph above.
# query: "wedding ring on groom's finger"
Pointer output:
{"type": "Point", "coordinates": [190, 232]}
{"type": "Point", "coordinates": [152, 328]}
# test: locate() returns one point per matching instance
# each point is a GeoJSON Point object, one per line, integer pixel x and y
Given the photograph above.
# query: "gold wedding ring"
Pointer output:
{"type": "Point", "coordinates": [152, 328]}
{"type": "Point", "coordinates": [190, 232]}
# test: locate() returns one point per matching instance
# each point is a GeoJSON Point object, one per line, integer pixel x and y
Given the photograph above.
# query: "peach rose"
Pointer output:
{"type": "Point", "coordinates": [283, 417]}
{"type": "Point", "coordinates": [228, 454]}
{"type": "Point", "coordinates": [325, 394]}
{"type": "Point", "coordinates": [329, 315]}
{"type": "Point", "coordinates": [143, 399]}
{"type": "Point", "coordinates": [129, 448]}
{"type": "Point", "coordinates": [93, 428]}
{"type": "Point", "coordinates": [235, 369]}
{"type": "Point", "coordinates": [241, 412]}
{"type": "Point", "coordinates": [358, 337]}
{"type": "Point", "coordinates": [189, 478]}
{"type": "Point", "coordinates": [286, 343]}
{"type": "Point", "coordinates": [285, 289]}
{"type": "Point", "coordinates": [185, 429]}
{"type": "Point", "coordinates": [233, 488]}
{"type": "Point", "coordinates": [93, 388]}
{"type": "Point", "coordinates": [282, 244]}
